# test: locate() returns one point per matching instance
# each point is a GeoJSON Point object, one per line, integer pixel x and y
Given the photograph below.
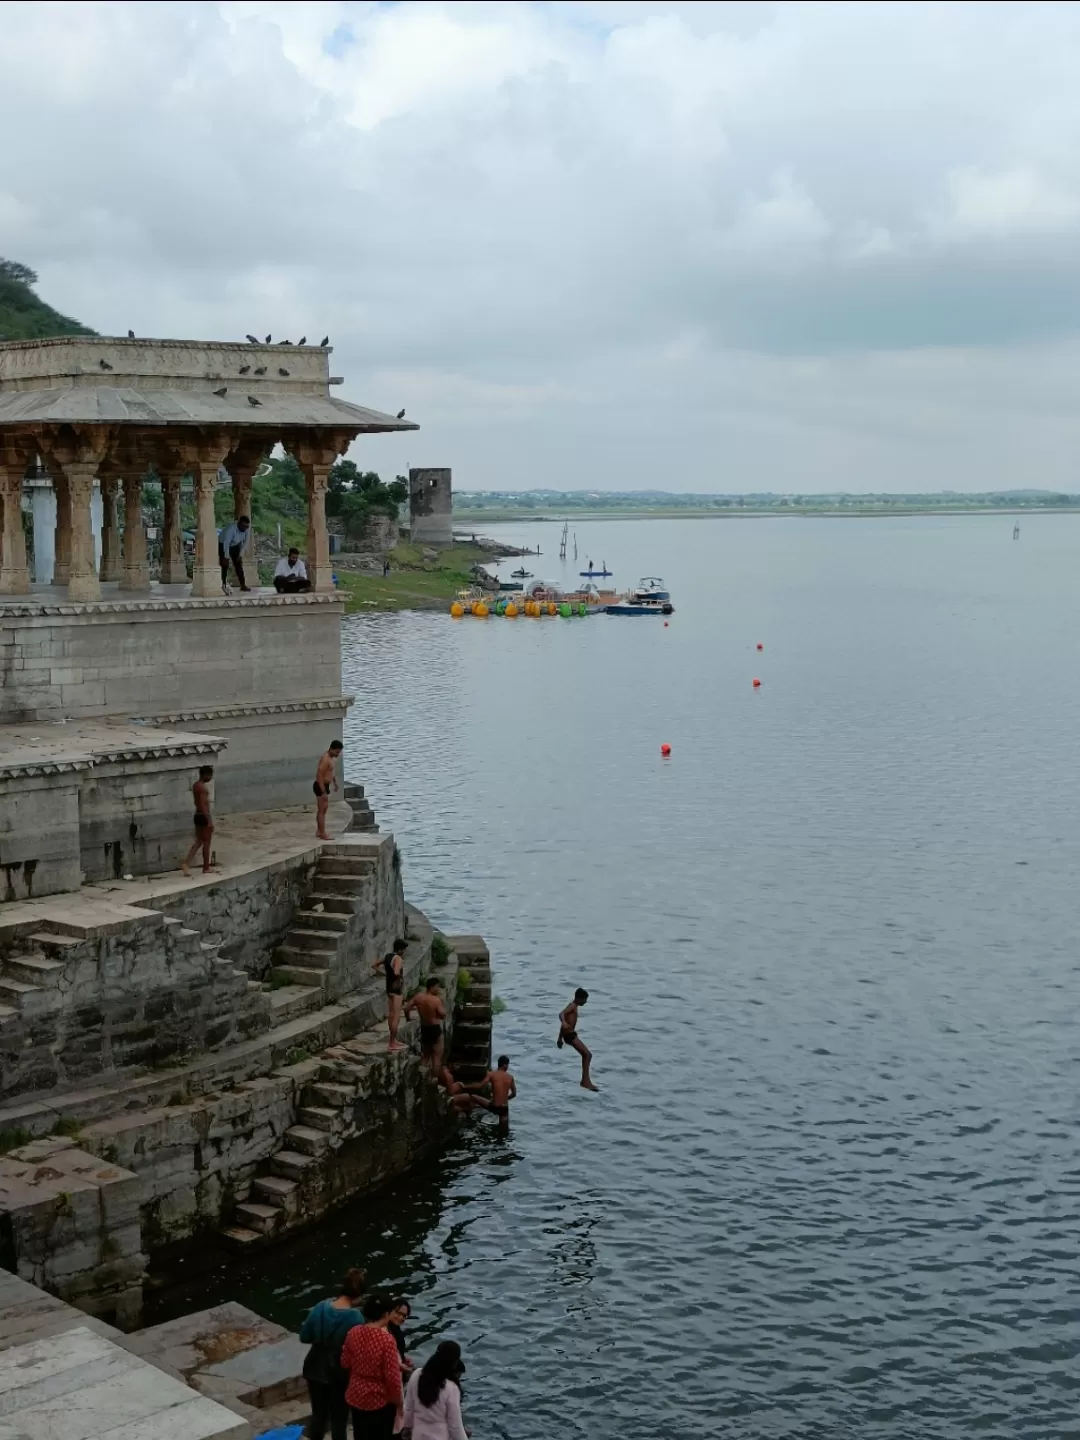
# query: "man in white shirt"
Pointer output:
{"type": "Point", "coordinates": [231, 543]}
{"type": "Point", "coordinates": [290, 577]}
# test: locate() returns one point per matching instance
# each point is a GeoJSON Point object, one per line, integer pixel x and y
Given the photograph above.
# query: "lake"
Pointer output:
{"type": "Point", "coordinates": [831, 1184]}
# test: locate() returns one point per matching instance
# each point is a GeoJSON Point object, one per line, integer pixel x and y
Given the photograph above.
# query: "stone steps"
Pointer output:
{"type": "Point", "coordinates": [306, 1140]}
{"type": "Point", "coordinates": [34, 970]}
{"type": "Point", "coordinates": [335, 883]}
{"type": "Point", "coordinates": [338, 861]}
{"type": "Point", "coordinates": [333, 904]}
{"type": "Point", "coordinates": [291, 1164]}
{"type": "Point", "coordinates": [320, 1117]}
{"type": "Point", "coordinates": [302, 967]}
{"type": "Point", "coordinates": [322, 919]}
{"type": "Point", "coordinates": [289, 1001]}
{"type": "Point", "coordinates": [317, 941]}
{"type": "Point", "coordinates": [263, 1219]}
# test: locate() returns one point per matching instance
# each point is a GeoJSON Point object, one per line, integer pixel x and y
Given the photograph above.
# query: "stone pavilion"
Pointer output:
{"type": "Point", "coordinates": [112, 688]}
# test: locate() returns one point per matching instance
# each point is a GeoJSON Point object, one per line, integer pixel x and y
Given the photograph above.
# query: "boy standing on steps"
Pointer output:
{"type": "Point", "coordinates": [428, 1004]}
{"type": "Point", "coordinates": [325, 776]}
{"type": "Point", "coordinates": [394, 967]}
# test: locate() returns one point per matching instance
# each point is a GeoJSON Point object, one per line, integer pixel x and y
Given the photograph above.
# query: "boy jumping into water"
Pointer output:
{"type": "Point", "coordinates": [325, 776]}
{"type": "Point", "coordinates": [204, 821]}
{"type": "Point", "coordinates": [503, 1089]}
{"type": "Point", "coordinates": [568, 1035]}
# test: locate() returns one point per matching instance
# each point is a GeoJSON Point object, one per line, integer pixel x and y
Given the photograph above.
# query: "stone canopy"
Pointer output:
{"type": "Point", "coordinates": [104, 410]}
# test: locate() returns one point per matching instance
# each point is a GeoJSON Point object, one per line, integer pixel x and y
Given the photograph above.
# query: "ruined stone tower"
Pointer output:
{"type": "Point", "coordinates": [430, 506]}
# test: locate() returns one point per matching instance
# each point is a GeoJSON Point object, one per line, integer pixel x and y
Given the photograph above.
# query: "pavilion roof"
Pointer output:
{"type": "Point", "coordinates": [98, 380]}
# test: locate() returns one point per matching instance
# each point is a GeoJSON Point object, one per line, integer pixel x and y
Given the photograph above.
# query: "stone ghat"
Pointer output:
{"type": "Point", "coordinates": [251, 1143]}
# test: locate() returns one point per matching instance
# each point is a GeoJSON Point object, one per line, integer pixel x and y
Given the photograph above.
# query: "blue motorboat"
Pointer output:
{"type": "Point", "coordinates": [649, 597]}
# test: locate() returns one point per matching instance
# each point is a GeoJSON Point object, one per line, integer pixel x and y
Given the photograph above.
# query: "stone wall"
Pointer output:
{"type": "Point", "coordinates": [265, 675]}
{"type": "Point", "coordinates": [379, 535]}
{"type": "Point", "coordinates": [142, 992]}
{"type": "Point", "coordinates": [39, 833]}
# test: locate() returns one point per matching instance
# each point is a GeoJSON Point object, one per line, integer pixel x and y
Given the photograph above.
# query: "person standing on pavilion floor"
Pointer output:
{"type": "Point", "coordinates": [232, 541]}
{"type": "Point", "coordinates": [325, 1330]}
{"type": "Point", "coordinates": [371, 1357]}
{"type": "Point", "coordinates": [204, 821]}
{"type": "Point", "coordinates": [325, 777]}
{"type": "Point", "coordinates": [290, 576]}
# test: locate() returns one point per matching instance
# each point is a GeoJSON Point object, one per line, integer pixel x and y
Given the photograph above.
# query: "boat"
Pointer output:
{"type": "Point", "coordinates": [595, 574]}
{"type": "Point", "coordinates": [649, 597]}
{"type": "Point", "coordinates": [521, 574]}
{"type": "Point", "coordinates": [514, 585]}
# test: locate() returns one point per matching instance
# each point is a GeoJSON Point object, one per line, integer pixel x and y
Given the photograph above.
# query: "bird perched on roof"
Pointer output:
{"type": "Point", "coordinates": [222, 392]}
{"type": "Point", "coordinates": [324, 342]}
{"type": "Point", "coordinates": [284, 342]}
{"type": "Point", "coordinates": [253, 401]}
{"type": "Point", "coordinates": [131, 334]}
{"type": "Point", "coordinates": [260, 369]}
{"type": "Point", "coordinates": [302, 340]}
{"type": "Point", "coordinates": [244, 369]}
{"type": "Point", "coordinates": [104, 365]}
{"type": "Point", "coordinates": [401, 414]}
{"type": "Point", "coordinates": [281, 370]}
{"type": "Point", "coordinates": [254, 339]}
{"type": "Point", "coordinates": [267, 340]}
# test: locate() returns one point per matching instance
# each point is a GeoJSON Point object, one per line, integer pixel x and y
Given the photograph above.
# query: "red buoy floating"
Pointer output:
{"type": "Point", "coordinates": [757, 683]}
{"type": "Point", "coordinates": [665, 624]}
{"type": "Point", "coordinates": [665, 749]}
{"type": "Point", "coordinates": [760, 646]}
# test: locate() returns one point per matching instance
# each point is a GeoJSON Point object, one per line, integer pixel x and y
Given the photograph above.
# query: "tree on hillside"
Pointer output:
{"type": "Point", "coordinates": [23, 316]}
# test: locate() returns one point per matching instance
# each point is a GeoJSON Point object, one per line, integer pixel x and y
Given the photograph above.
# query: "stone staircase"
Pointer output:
{"type": "Point", "coordinates": [315, 949]}
{"type": "Point", "coordinates": [31, 976]}
{"type": "Point", "coordinates": [471, 1050]}
{"type": "Point", "coordinates": [363, 815]}
{"type": "Point", "coordinates": [337, 1104]}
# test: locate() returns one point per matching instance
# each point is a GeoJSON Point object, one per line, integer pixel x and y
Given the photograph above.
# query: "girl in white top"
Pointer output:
{"type": "Point", "coordinates": [433, 1399]}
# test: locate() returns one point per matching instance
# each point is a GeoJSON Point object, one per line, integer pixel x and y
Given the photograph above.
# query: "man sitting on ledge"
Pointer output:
{"type": "Point", "coordinates": [290, 577]}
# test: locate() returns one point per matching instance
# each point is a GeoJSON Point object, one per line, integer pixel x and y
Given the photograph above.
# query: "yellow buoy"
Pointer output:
{"type": "Point", "coordinates": [480, 609]}
{"type": "Point", "coordinates": [553, 609]}
{"type": "Point", "coordinates": [510, 611]}
{"type": "Point", "coordinates": [457, 610]}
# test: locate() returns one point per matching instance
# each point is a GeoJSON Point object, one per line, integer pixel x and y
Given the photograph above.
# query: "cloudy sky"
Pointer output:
{"type": "Point", "coordinates": [733, 246]}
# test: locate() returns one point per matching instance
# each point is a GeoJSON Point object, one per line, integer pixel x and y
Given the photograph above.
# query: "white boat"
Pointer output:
{"type": "Point", "coordinates": [649, 597]}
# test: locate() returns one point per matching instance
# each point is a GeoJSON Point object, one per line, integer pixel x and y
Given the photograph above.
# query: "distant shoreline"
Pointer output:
{"type": "Point", "coordinates": [464, 519]}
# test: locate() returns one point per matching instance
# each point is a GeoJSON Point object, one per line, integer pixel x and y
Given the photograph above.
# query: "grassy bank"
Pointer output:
{"type": "Point", "coordinates": [413, 583]}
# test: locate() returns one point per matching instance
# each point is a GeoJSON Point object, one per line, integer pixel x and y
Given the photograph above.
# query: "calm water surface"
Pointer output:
{"type": "Point", "coordinates": [831, 1185]}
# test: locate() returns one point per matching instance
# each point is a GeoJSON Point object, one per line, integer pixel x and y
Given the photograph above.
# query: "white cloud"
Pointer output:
{"type": "Point", "coordinates": [549, 228]}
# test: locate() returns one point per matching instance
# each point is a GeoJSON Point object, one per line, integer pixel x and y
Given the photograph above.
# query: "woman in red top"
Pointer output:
{"type": "Point", "coordinates": [370, 1355]}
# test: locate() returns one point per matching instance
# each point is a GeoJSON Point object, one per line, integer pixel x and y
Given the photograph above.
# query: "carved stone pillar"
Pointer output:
{"type": "Point", "coordinates": [72, 455]}
{"type": "Point", "coordinates": [83, 581]}
{"type": "Point", "coordinates": [316, 456]}
{"type": "Point", "coordinates": [241, 485]}
{"type": "Point", "coordinates": [201, 459]}
{"type": "Point", "coordinates": [62, 542]}
{"type": "Point", "coordinates": [110, 534]}
{"type": "Point", "coordinates": [173, 566]}
{"type": "Point", "coordinates": [136, 572]}
{"type": "Point", "coordinates": [14, 573]}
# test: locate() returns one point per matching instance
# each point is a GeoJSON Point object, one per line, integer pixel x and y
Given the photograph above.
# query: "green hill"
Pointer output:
{"type": "Point", "coordinates": [22, 315]}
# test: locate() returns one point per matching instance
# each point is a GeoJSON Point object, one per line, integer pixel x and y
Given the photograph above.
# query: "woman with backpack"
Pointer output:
{"type": "Point", "coordinates": [325, 1330]}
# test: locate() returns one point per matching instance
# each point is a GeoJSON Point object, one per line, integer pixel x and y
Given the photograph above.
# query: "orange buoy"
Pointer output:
{"type": "Point", "coordinates": [457, 610]}
{"type": "Point", "coordinates": [665, 749]}
{"type": "Point", "coordinates": [760, 646]}
{"type": "Point", "coordinates": [757, 683]}
{"type": "Point", "coordinates": [510, 611]}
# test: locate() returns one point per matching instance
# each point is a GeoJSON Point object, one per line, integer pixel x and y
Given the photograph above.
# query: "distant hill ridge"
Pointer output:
{"type": "Point", "coordinates": [23, 316]}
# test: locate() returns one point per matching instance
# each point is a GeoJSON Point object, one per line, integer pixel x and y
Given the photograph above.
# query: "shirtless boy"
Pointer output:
{"type": "Point", "coordinates": [568, 1035]}
{"type": "Point", "coordinates": [459, 1093]}
{"type": "Point", "coordinates": [428, 1004]}
{"type": "Point", "coordinates": [204, 822]}
{"type": "Point", "coordinates": [503, 1088]}
{"type": "Point", "coordinates": [325, 776]}
{"type": "Point", "coordinates": [393, 965]}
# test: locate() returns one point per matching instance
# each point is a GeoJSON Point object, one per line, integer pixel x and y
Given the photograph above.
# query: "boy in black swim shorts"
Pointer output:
{"type": "Point", "coordinates": [393, 965]}
{"type": "Point", "coordinates": [204, 821]}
